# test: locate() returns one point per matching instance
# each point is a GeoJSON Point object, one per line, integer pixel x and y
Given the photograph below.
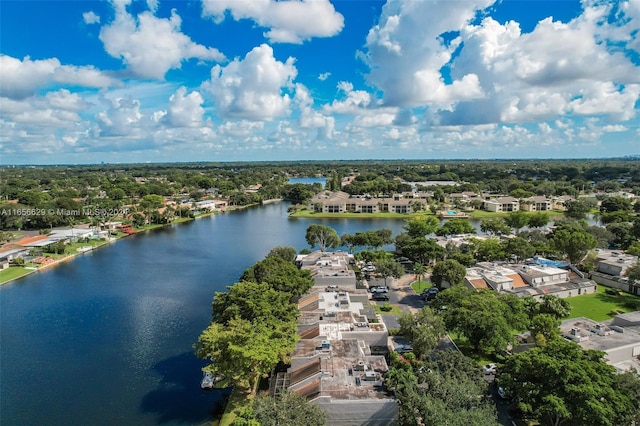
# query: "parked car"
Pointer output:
{"type": "Point", "coordinates": [490, 369]}
{"type": "Point", "coordinates": [379, 289]}
{"type": "Point", "coordinates": [403, 349]}
{"type": "Point", "coordinates": [430, 293]}
{"type": "Point", "coordinates": [379, 296]}
{"type": "Point", "coordinates": [502, 393]}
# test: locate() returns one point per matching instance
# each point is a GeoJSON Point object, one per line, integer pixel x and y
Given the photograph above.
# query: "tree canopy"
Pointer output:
{"type": "Point", "coordinates": [323, 236]}
{"type": "Point", "coordinates": [560, 383]}
{"type": "Point", "coordinates": [450, 271]}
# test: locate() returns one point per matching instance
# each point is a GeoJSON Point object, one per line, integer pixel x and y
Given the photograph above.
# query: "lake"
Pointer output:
{"type": "Point", "coordinates": [107, 338]}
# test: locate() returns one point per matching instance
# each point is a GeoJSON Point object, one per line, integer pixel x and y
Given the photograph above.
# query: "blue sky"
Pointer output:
{"type": "Point", "coordinates": [227, 80]}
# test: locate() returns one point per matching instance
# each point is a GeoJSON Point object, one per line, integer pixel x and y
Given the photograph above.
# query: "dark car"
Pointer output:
{"type": "Point", "coordinates": [379, 296]}
{"type": "Point", "coordinates": [430, 293]}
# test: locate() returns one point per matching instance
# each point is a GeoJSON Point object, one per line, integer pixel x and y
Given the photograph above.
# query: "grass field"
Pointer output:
{"type": "Point", "coordinates": [420, 286]}
{"type": "Point", "coordinates": [600, 306]}
{"type": "Point", "coordinates": [12, 273]}
{"type": "Point", "coordinates": [384, 215]}
{"type": "Point", "coordinates": [394, 309]}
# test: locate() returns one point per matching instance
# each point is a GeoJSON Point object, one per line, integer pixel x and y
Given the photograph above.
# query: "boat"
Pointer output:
{"type": "Point", "coordinates": [207, 381]}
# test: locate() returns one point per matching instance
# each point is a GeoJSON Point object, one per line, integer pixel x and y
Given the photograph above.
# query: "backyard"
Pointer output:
{"type": "Point", "coordinates": [600, 306]}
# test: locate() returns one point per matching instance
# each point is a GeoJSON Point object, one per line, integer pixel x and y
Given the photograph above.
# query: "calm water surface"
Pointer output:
{"type": "Point", "coordinates": [107, 338]}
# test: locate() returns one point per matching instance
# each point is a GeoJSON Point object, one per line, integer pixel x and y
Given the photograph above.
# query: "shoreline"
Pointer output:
{"type": "Point", "coordinates": [180, 221]}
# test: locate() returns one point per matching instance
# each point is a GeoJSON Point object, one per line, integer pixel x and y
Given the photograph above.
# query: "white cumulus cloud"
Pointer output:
{"type": "Point", "coordinates": [185, 110]}
{"type": "Point", "coordinates": [151, 46]}
{"type": "Point", "coordinates": [22, 78]}
{"type": "Point", "coordinates": [405, 52]}
{"type": "Point", "coordinates": [254, 87]}
{"type": "Point", "coordinates": [290, 21]}
{"type": "Point", "coordinates": [91, 18]}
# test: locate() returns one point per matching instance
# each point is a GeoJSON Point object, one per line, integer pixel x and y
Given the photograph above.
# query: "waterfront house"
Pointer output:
{"type": "Point", "coordinates": [338, 363]}
{"type": "Point", "coordinates": [501, 204]}
{"type": "Point", "coordinates": [539, 203]}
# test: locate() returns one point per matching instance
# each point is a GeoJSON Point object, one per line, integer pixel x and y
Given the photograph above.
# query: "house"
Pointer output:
{"type": "Point", "coordinates": [462, 197]}
{"type": "Point", "coordinates": [528, 280]}
{"type": "Point", "coordinates": [537, 204]}
{"type": "Point", "coordinates": [501, 204]}
{"type": "Point", "coordinates": [338, 363]}
{"type": "Point", "coordinates": [559, 203]}
{"type": "Point", "coordinates": [611, 267]}
{"type": "Point", "coordinates": [340, 202]}
{"type": "Point", "coordinates": [329, 269]}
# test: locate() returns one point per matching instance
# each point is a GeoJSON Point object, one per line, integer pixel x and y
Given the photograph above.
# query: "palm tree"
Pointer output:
{"type": "Point", "coordinates": [420, 270]}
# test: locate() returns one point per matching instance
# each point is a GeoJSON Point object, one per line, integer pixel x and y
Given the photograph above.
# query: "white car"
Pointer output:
{"type": "Point", "coordinates": [379, 289]}
{"type": "Point", "coordinates": [490, 369]}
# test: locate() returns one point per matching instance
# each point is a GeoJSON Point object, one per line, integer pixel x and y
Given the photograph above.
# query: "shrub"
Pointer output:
{"type": "Point", "coordinates": [386, 307]}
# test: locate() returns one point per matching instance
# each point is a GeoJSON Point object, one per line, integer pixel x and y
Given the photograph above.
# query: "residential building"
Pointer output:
{"type": "Point", "coordinates": [501, 204]}
{"type": "Point", "coordinates": [611, 267]}
{"type": "Point", "coordinates": [339, 362]}
{"type": "Point", "coordinates": [340, 202]}
{"type": "Point", "coordinates": [536, 204]}
{"type": "Point", "coordinates": [329, 269]}
{"type": "Point", "coordinates": [619, 338]}
{"type": "Point", "coordinates": [528, 280]}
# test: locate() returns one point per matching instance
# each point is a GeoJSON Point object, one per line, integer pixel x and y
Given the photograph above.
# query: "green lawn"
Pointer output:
{"type": "Point", "coordinates": [482, 214]}
{"type": "Point", "coordinates": [395, 310]}
{"type": "Point", "coordinates": [346, 215]}
{"type": "Point", "coordinates": [601, 306]}
{"type": "Point", "coordinates": [420, 286]}
{"type": "Point", "coordinates": [238, 399]}
{"type": "Point", "coordinates": [12, 273]}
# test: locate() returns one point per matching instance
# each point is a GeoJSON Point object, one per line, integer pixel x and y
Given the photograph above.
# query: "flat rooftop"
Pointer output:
{"type": "Point", "coordinates": [598, 336]}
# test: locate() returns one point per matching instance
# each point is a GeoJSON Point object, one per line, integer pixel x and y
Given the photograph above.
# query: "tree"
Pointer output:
{"type": "Point", "coordinates": [622, 236]}
{"type": "Point", "coordinates": [281, 275]}
{"type": "Point", "coordinates": [614, 204]}
{"type": "Point", "coordinates": [283, 252]}
{"type": "Point", "coordinates": [288, 408]}
{"type": "Point", "coordinates": [544, 328]}
{"type": "Point", "coordinates": [633, 273]}
{"type": "Point", "coordinates": [241, 352]}
{"type": "Point", "coordinates": [577, 209]}
{"type": "Point", "coordinates": [517, 219]}
{"type": "Point", "coordinates": [488, 250]}
{"type": "Point", "coordinates": [494, 226]}
{"type": "Point", "coordinates": [450, 271]}
{"type": "Point", "coordinates": [455, 227]}
{"type": "Point", "coordinates": [445, 391]}
{"type": "Point", "coordinates": [423, 329]}
{"type": "Point", "coordinates": [421, 226]}
{"type": "Point", "coordinates": [518, 248]}
{"type": "Point", "coordinates": [389, 268]}
{"type": "Point", "coordinates": [421, 250]}
{"type": "Point", "coordinates": [420, 270]}
{"type": "Point", "coordinates": [634, 249]}
{"type": "Point", "coordinates": [555, 306]}
{"type": "Point", "coordinates": [253, 302]}
{"type": "Point", "coordinates": [560, 383]}
{"type": "Point", "coordinates": [479, 316]}
{"type": "Point", "coordinates": [573, 242]}
{"type": "Point", "coordinates": [538, 219]}
{"type": "Point", "coordinates": [323, 236]}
